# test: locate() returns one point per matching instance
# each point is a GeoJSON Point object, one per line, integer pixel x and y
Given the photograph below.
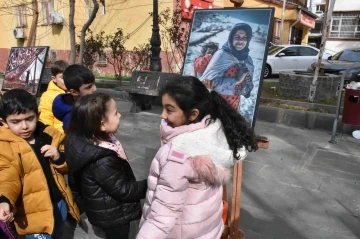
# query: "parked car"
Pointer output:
{"type": "Point", "coordinates": [339, 62]}
{"type": "Point", "coordinates": [290, 58]}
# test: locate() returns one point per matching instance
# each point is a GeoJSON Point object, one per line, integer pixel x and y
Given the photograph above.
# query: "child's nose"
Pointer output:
{"type": "Point", "coordinates": [24, 125]}
{"type": "Point", "coordinates": [163, 114]}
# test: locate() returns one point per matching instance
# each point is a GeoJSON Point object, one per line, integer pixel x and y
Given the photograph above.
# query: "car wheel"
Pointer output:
{"type": "Point", "coordinates": [267, 71]}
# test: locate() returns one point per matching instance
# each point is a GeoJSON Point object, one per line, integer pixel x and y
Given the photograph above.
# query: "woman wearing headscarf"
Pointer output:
{"type": "Point", "coordinates": [231, 69]}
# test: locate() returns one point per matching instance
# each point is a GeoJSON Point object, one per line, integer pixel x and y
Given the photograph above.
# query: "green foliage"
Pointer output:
{"type": "Point", "coordinates": [112, 45]}
{"type": "Point", "coordinates": [92, 48]}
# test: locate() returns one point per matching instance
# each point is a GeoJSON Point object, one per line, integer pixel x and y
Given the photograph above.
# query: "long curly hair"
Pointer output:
{"type": "Point", "coordinates": [190, 93]}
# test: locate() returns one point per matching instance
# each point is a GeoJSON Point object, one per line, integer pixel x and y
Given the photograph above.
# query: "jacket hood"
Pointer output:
{"type": "Point", "coordinates": [168, 132]}
{"type": "Point", "coordinates": [80, 153]}
{"type": "Point", "coordinates": [62, 105]}
{"type": "Point", "coordinates": [228, 46]}
{"type": "Point", "coordinates": [8, 136]}
{"type": "Point", "coordinates": [53, 87]}
{"type": "Point", "coordinates": [206, 148]}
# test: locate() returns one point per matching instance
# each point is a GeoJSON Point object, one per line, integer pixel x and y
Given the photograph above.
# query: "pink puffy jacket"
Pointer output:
{"type": "Point", "coordinates": [184, 197]}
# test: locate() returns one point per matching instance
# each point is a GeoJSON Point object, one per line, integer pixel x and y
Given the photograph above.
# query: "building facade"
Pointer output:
{"type": "Point", "coordinates": [345, 25]}
{"type": "Point", "coordinates": [131, 16]}
{"type": "Point", "coordinates": [297, 21]}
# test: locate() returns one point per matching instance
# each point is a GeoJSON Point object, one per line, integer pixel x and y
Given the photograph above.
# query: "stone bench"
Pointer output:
{"type": "Point", "coordinates": [144, 87]}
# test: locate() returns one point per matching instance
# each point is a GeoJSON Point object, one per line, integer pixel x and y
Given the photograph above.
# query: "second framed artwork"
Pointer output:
{"type": "Point", "coordinates": [227, 50]}
{"type": "Point", "coordinates": [25, 67]}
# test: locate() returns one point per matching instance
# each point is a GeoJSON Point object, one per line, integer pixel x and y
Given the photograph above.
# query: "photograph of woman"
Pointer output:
{"type": "Point", "coordinates": [226, 51]}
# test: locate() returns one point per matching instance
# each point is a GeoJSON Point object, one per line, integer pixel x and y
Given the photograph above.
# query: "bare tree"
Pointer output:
{"type": "Point", "coordinates": [33, 28]}
{"type": "Point", "coordinates": [86, 27]}
{"type": "Point", "coordinates": [72, 32]}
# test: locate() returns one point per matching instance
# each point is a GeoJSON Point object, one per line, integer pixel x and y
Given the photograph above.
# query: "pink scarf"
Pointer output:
{"type": "Point", "coordinates": [114, 145]}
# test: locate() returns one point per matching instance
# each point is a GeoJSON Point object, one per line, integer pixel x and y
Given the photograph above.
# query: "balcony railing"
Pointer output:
{"type": "Point", "coordinates": [289, 3]}
{"type": "Point", "coordinates": [298, 2]}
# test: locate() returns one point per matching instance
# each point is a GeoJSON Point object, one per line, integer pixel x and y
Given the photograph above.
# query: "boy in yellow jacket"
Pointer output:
{"type": "Point", "coordinates": [33, 191]}
{"type": "Point", "coordinates": [56, 86]}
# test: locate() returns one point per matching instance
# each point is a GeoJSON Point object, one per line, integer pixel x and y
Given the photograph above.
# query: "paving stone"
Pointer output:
{"type": "Point", "coordinates": [274, 226]}
{"type": "Point", "coordinates": [335, 164]}
{"type": "Point", "coordinates": [285, 158]}
{"type": "Point", "coordinates": [252, 167]}
{"type": "Point", "coordinates": [141, 164]}
{"type": "Point", "coordinates": [290, 177]}
{"type": "Point", "coordinates": [345, 193]}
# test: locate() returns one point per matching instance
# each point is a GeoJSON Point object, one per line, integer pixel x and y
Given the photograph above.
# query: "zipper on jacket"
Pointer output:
{"type": "Point", "coordinates": [52, 206]}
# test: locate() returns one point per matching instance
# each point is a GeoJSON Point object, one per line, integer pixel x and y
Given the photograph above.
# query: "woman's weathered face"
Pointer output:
{"type": "Point", "coordinates": [239, 40]}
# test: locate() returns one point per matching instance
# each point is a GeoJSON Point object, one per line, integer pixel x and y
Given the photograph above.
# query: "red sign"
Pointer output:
{"type": "Point", "coordinates": [188, 7]}
{"type": "Point", "coordinates": [307, 20]}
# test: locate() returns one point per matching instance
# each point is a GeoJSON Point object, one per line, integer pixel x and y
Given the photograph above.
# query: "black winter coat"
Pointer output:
{"type": "Point", "coordinates": [107, 185]}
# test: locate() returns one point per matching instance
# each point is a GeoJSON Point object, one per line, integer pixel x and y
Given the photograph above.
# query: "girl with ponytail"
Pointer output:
{"type": "Point", "coordinates": [203, 137]}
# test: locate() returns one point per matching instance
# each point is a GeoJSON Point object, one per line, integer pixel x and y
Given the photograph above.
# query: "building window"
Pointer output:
{"type": "Point", "coordinates": [277, 26]}
{"type": "Point", "coordinates": [102, 59]}
{"type": "Point", "coordinates": [21, 16]}
{"type": "Point", "coordinates": [345, 25]}
{"type": "Point", "coordinates": [45, 13]}
{"type": "Point", "coordinates": [317, 28]}
{"type": "Point", "coordinates": [102, 8]}
{"type": "Point", "coordinates": [320, 8]}
{"type": "Point", "coordinates": [88, 8]}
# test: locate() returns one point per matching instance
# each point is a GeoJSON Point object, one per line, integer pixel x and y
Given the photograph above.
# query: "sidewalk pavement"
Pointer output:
{"type": "Point", "coordinates": [302, 187]}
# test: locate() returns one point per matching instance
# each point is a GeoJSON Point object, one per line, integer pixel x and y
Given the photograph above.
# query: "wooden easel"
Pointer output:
{"type": "Point", "coordinates": [231, 230]}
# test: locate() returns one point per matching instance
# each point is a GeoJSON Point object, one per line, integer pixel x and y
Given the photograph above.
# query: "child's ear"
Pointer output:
{"type": "Point", "coordinates": [102, 126]}
{"type": "Point", "coordinates": [4, 123]}
{"type": "Point", "coordinates": [53, 78]}
{"type": "Point", "coordinates": [194, 115]}
{"type": "Point", "coordinates": [74, 93]}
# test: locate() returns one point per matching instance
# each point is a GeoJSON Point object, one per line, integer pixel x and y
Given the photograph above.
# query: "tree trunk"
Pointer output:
{"type": "Point", "coordinates": [72, 32]}
{"type": "Point", "coordinates": [32, 34]}
{"type": "Point", "coordinates": [85, 28]}
{"type": "Point", "coordinates": [329, 7]}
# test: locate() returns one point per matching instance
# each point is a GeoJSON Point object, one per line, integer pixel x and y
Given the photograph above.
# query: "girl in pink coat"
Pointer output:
{"type": "Point", "coordinates": [202, 138]}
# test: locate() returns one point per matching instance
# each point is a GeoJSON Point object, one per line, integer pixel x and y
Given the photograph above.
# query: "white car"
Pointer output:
{"type": "Point", "coordinates": [290, 58]}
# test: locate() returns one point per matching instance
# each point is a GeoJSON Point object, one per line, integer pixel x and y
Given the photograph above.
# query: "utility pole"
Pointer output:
{"type": "Point", "coordinates": [282, 22]}
{"type": "Point", "coordinates": [329, 7]}
{"type": "Point", "coordinates": [155, 60]}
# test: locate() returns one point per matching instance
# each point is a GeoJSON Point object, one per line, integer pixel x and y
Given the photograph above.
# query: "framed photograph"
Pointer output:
{"type": "Point", "coordinates": [25, 67]}
{"type": "Point", "coordinates": [227, 51]}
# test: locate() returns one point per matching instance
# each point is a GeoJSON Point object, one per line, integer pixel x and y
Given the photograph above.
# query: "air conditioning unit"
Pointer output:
{"type": "Point", "coordinates": [19, 33]}
{"type": "Point", "coordinates": [56, 18]}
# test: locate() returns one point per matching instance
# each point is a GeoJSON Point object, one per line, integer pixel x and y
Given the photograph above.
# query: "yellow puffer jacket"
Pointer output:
{"type": "Point", "coordinates": [23, 182]}
{"type": "Point", "coordinates": [45, 106]}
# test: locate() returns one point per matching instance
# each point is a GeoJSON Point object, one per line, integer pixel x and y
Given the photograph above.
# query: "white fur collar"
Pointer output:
{"type": "Point", "coordinates": [209, 141]}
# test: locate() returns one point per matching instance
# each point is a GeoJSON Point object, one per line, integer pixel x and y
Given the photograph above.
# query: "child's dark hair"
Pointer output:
{"type": "Point", "coordinates": [58, 67]}
{"type": "Point", "coordinates": [86, 116]}
{"type": "Point", "coordinates": [190, 93]}
{"type": "Point", "coordinates": [211, 45]}
{"type": "Point", "coordinates": [17, 101]}
{"type": "Point", "coordinates": [76, 75]}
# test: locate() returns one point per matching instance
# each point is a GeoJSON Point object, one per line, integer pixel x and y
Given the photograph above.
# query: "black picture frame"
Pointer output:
{"type": "Point", "coordinates": [25, 68]}
{"type": "Point", "coordinates": [214, 26]}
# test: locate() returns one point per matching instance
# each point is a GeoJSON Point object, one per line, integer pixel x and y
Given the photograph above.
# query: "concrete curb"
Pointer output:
{"type": "Point", "coordinates": [303, 119]}
{"type": "Point", "coordinates": [292, 118]}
